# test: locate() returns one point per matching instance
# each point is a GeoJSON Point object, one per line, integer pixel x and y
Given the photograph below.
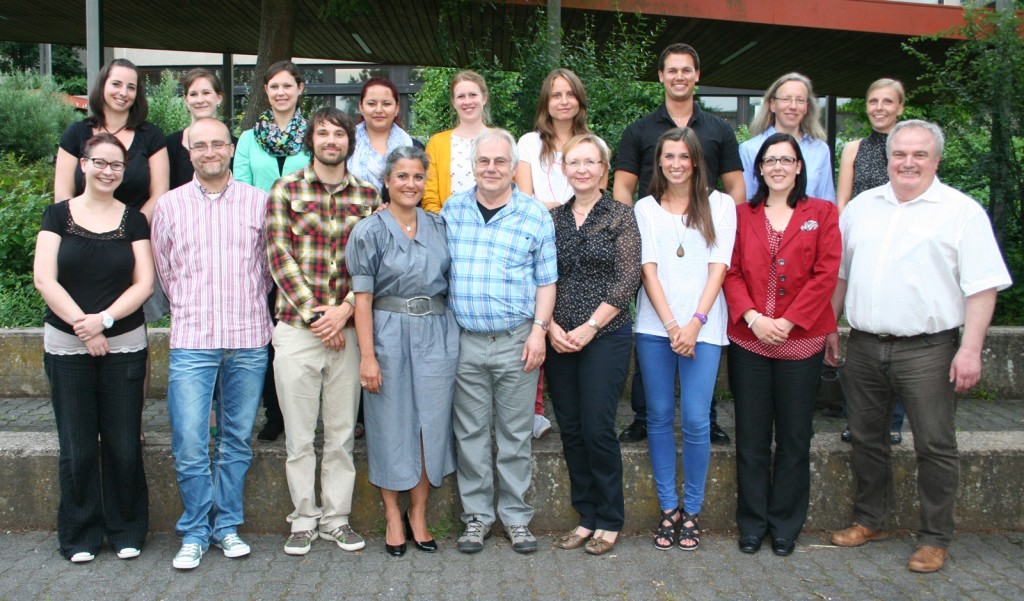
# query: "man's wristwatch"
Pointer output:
{"type": "Point", "coordinates": [593, 323]}
{"type": "Point", "coordinates": [540, 322]}
{"type": "Point", "coordinates": [108, 320]}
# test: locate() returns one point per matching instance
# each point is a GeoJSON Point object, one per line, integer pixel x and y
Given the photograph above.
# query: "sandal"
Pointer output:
{"type": "Point", "coordinates": [666, 530]}
{"type": "Point", "coordinates": [689, 531]}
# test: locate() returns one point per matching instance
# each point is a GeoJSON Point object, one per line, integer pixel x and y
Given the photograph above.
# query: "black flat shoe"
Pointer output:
{"type": "Point", "coordinates": [636, 432]}
{"type": "Point", "coordinates": [395, 550]}
{"type": "Point", "coordinates": [896, 437]}
{"type": "Point", "coordinates": [271, 430]}
{"type": "Point", "coordinates": [783, 546]}
{"type": "Point", "coordinates": [427, 546]}
{"type": "Point", "coordinates": [718, 435]}
{"type": "Point", "coordinates": [846, 436]}
{"type": "Point", "coordinates": [750, 544]}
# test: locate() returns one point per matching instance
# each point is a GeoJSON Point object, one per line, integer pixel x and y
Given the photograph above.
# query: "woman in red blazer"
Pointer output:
{"type": "Point", "coordinates": [785, 264]}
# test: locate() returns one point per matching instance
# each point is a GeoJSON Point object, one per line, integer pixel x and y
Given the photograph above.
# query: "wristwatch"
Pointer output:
{"type": "Point", "coordinates": [593, 323]}
{"type": "Point", "coordinates": [108, 321]}
{"type": "Point", "coordinates": [703, 319]}
{"type": "Point", "coordinates": [540, 322]}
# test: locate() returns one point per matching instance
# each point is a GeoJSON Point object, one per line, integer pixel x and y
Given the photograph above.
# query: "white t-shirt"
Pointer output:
{"type": "Point", "coordinates": [549, 183]}
{"type": "Point", "coordinates": [683, 278]}
{"type": "Point", "coordinates": [909, 266]}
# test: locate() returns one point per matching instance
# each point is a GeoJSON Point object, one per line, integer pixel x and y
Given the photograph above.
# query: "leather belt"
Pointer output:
{"type": "Point", "coordinates": [417, 306]}
{"type": "Point", "coordinates": [894, 338]}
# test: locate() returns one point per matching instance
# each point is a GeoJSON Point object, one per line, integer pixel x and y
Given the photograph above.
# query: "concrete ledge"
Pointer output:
{"type": "Point", "coordinates": [989, 497]}
{"type": "Point", "coordinates": [22, 353]}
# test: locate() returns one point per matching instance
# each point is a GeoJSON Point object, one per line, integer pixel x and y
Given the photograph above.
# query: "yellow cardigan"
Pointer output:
{"type": "Point", "coordinates": [439, 174]}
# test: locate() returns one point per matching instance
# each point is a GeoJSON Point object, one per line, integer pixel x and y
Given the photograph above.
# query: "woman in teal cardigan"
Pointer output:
{"type": "Point", "coordinates": [274, 146]}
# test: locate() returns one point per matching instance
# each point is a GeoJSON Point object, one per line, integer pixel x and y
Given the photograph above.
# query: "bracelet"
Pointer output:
{"type": "Point", "coordinates": [668, 324]}
{"type": "Point", "coordinates": [751, 323]}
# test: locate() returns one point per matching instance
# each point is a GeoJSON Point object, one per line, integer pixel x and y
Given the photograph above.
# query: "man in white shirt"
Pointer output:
{"type": "Point", "coordinates": [919, 261]}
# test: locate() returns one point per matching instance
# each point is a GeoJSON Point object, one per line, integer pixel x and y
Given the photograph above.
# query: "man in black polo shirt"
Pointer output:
{"type": "Point", "coordinates": [679, 72]}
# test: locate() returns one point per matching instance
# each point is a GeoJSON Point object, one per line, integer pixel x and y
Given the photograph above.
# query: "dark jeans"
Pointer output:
{"type": "Point", "coordinates": [273, 407]}
{"type": "Point", "coordinates": [638, 398]}
{"type": "Point", "coordinates": [102, 486]}
{"type": "Point", "coordinates": [915, 370]}
{"type": "Point", "coordinates": [585, 389]}
{"type": "Point", "coordinates": [779, 395]}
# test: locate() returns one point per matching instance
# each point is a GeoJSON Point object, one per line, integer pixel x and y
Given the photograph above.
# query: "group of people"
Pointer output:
{"type": "Point", "coordinates": [435, 283]}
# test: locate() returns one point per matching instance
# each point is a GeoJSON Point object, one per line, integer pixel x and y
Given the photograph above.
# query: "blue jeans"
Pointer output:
{"type": "Point", "coordinates": [212, 496]}
{"type": "Point", "coordinates": [660, 364]}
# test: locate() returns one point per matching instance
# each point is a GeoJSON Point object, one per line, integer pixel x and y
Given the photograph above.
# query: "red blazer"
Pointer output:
{"type": "Point", "coordinates": [808, 269]}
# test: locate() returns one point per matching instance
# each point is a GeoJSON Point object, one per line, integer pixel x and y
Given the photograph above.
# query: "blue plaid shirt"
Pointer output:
{"type": "Point", "coordinates": [497, 266]}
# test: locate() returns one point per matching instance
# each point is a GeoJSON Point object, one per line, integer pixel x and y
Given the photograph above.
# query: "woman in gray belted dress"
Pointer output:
{"type": "Point", "coordinates": [409, 345]}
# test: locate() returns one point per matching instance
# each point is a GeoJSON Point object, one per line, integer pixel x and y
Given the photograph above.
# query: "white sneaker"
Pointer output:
{"type": "Point", "coordinates": [188, 556]}
{"type": "Point", "coordinates": [541, 425]}
{"type": "Point", "coordinates": [82, 557]}
{"type": "Point", "coordinates": [233, 546]}
{"type": "Point", "coordinates": [128, 553]}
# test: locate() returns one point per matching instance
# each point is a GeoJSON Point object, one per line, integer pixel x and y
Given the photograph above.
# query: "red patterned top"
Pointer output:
{"type": "Point", "coordinates": [793, 348]}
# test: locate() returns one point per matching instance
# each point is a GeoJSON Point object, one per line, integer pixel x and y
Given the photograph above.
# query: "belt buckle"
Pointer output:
{"type": "Point", "coordinates": [418, 306]}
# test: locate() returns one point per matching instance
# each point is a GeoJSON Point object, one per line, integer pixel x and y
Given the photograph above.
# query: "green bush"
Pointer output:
{"type": "Point", "coordinates": [20, 303]}
{"type": "Point", "coordinates": [25, 191]}
{"type": "Point", "coordinates": [35, 115]}
{"type": "Point", "coordinates": [166, 106]}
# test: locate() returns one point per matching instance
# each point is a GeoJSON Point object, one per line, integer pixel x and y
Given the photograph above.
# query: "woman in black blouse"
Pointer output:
{"type": "Point", "coordinates": [117, 105]}
{"type": "Point", "coordinates": [94, 269]}
{"type": "Point", "coordinates": [590, 338]}
{"type": "Point", "coordinates": [203, 95]}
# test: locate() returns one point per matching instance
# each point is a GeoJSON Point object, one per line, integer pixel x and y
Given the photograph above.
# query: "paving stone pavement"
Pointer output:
{"type": "Point", "coordinates": [981, 567]}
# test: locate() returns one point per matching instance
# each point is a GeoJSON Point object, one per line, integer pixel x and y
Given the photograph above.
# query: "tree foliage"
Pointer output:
{"type": "Point", "coordinates": [68, 70]}
{"type": "Point", "coordinates": [976, 88]}
{"type": "Point", "coordinates": [34, 115]}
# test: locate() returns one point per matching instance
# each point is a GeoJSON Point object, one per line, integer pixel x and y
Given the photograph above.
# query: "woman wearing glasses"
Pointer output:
{"type": "Point", "coordinates": [687, 231]}
{"type": "Point", "coordinates": [117, 106]}
{"type": "Point", "coordinates": [790, 107]}
{"type": "Point", "coordinates": [94, 269]}
{"type": "Point", "coordinates": [785, 265]}
{"type": "Point", "coordinates": [590, 338]}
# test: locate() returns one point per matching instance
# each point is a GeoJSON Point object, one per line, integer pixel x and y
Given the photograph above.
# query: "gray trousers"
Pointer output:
{"type": "Point", "coordinates": [490, 385]}
{"type": "Point", "coordinates": [915, 370]}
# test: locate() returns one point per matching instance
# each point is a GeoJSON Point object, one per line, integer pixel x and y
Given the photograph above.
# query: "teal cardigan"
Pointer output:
{"type": "Point", "coordinates": [254, 166]}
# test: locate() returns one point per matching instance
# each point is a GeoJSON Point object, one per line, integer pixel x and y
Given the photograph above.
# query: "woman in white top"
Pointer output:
{"type": "Point", "coordinates": [561, 114]}
{"type": "Point", "coordinates": [687, 232]}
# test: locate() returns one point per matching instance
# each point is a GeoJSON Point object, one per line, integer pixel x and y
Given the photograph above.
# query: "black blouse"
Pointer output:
{"type": "Point", "coordinates": [134, 188]}
{"type": "Point", "coordinates": [95, 267]}
{"type": "Point", "coordinates": [599, 262]}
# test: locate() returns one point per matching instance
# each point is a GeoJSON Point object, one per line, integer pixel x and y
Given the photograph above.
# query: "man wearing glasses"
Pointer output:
{"type": "Point", "coordinates": [502, 291]}
{"type": "Point", "coordinates": [210, 253]}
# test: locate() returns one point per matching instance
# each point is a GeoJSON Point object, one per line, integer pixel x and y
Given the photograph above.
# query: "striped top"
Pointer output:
{"type": "Point", "coordinates": [497, 266]}
{"type": "Point", "coordinates": [210, 254]}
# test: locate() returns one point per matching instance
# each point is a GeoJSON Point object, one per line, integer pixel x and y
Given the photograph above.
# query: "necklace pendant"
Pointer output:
{"type": "Point", "coordinates": [408, 228]}
{"type": "Point", "coordinates": [679, 251]}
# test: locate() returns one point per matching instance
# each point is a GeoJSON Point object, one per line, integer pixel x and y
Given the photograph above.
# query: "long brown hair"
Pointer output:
{"type": "Point", "coordinates": [139, 110]}
{"type": "Point", "coordinates": [699, 212]}
{"type": "Point", "coordinates": [543, 122]}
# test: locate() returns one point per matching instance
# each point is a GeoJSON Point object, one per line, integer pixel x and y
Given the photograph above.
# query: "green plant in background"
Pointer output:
{"type": "Point", "coordinates": [26, 189]}
{"type": "Point", "coordinates": [166, 106]}
{"type": "Point", "coordinates": [20, 303]}
{"type": "Point", "coordinates": [34, 115]}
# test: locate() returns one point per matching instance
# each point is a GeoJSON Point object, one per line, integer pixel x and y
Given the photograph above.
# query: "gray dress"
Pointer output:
{"type": "Point", "coordinates": [417, 355]}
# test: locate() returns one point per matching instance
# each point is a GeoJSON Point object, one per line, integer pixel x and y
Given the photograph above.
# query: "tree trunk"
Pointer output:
{"type": "Point", "coordinates": [277, 35]}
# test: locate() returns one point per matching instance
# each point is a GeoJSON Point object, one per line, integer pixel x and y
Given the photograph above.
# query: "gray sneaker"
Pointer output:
{"type": "Point", "coordinates": [188, 556]}
{"type": "Point", "coordinates": [299, 542]}
{"type": "Point", "coordinates": [472, 539]}
{"type": "Point", "coordinates": [232, 545]}
{"type": "Point", "coordinates": [522, 540]}
{"type": "Point", "coordinates": [347, 538]}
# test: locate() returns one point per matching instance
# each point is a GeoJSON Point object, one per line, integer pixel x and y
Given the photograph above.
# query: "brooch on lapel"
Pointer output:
{"type": "Point", "coordinates": [809, 225]}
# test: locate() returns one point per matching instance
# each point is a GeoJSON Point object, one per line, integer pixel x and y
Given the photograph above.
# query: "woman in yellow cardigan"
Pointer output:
{"type": "Point", "coordinates": [451, 169]}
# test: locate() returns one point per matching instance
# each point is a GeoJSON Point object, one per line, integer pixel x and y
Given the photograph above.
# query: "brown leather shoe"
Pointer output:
{"type": "Point", "coordinates": [856, 535]}
{"type": "Point", "coordinates": [927, 559]}
{"type": "Point", "coordinates": [571, 540]}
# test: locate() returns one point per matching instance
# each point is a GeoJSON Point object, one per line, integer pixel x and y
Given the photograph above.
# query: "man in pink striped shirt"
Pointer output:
{"type": "Point", "coordinates": [209, 246]}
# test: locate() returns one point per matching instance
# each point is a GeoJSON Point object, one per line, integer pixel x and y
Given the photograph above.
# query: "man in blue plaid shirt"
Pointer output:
{"type": "Point", "coordinates": [502, 291]}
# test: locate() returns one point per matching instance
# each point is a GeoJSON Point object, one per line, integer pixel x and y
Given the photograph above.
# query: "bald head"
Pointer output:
{"type": "Point", "coordinates": [210, 150]}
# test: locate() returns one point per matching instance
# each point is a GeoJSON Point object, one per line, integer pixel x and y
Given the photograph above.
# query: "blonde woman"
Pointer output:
{"type": "Point", "coordinates": [451, 170]}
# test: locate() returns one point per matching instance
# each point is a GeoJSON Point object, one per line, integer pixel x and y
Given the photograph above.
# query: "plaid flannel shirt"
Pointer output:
{"type": "Point", "coordinates": [307, 229]}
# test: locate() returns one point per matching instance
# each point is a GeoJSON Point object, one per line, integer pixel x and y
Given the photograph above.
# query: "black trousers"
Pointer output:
{"type": "Point", "coordinates": [103, 489]}
{"type": "Point", "coordinates": [779, 394]}
{"type": "Point", "coordinates": [585, 389]}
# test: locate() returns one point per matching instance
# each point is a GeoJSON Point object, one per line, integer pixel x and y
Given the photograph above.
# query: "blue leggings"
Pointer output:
{"type": "Point", "coordinates": [660, 365]}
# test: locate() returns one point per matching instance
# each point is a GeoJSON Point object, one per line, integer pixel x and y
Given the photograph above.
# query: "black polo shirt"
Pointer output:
{"type": "Point", "coordinates": [717, 140]}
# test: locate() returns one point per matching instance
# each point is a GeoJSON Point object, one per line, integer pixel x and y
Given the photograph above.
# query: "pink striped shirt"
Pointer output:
{"type": "Point", "coordinates": [211, 257]}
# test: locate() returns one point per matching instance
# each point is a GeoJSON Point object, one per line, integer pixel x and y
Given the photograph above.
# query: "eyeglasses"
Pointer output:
{"type": "Point", "coordinates": [499, 162]}
{"type": "Point", "coordinates": [786, 161]}
{"type": "Point", "coordinates": [589, 164]}
{"type": "Point", "coordinates": [102, 164]}
{"type": "Point", "coordinates": [203, 146]}
{"type": "Point", "coordinates": [797, 100]}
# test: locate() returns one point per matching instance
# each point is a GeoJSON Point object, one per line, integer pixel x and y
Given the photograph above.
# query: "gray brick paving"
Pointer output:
{"type": "Point", "coordinates": [981, 566]}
